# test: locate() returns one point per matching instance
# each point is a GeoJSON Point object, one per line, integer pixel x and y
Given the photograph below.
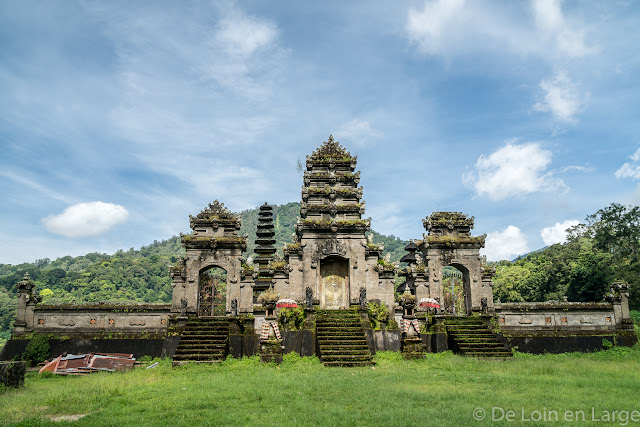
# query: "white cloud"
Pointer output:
{"type": "Point", "coordinates": [557, 233]}
{"type": "Point", "coordinates": [552, 24]}
{"type": "Point", "coordinates": [86, 219]}
{"type": "Point", "coordinates": [505, 244]}
{"type": "Point", "coordinates": [452, 27]}
{"type": "Point", "coordinates": [430, 27]}
{"type": "Point", "coordinates": [513, 170]}
{"type": "Point", "coordinates": [561, 98]}
{"type": "Point", "coordinates": [240, 34]}
{"type": "Point", "coordinates": [630, 169]}
{"type": "Point", "coordinates": [358, 131]}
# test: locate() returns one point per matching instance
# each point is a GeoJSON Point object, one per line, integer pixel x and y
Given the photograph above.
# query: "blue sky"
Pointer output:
{"type": "Point", "coordinates": [119, 119]}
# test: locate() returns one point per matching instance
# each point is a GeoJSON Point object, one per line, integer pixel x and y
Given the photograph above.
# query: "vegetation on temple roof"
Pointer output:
{"type": "Point", "coordinates": [215, 210]}
{"type": "Point", "coordinates": [279, 265]}
{"type": "Point", "coordinates": [341, 223]}
{"type": "Point", "coordinates": [339, 191]}
{"type": "Point", "coordinates": [296, 246]}
{"type": "Point", "coordinates": [455, 241]}
{"type": "Point", "coordinates": [329, 207]}
{"type": "Point", "coordinates": [384, 265]}
{"type": "Point", "coordinates": [448, 219]}
{"type": "Point", "coordinates": [207, 241]}
{"type": "Point", "coordinates": [215, 213]}
{"type": "Point", "coordinates": [345, 177]}
{"type": "Point", "coordinates": [330, 151]}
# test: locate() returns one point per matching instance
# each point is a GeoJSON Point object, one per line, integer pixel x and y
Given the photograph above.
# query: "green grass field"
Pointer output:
{"type": "Point", "coordinates": [441, 389]}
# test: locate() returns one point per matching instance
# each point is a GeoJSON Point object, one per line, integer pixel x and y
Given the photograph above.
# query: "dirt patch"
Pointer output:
{"type": "Point", "coordinates": [70, 417]}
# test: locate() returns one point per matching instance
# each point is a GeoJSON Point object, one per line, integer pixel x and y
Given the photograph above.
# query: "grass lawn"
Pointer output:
{"type": "Point", "coordinates": [441, 389]}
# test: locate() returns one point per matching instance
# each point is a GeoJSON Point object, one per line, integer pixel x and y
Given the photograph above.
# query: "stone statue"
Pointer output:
{"type": "Point", "coordinates": [309, 298]}
{"type": "Point", "coordinates": [363, 298]}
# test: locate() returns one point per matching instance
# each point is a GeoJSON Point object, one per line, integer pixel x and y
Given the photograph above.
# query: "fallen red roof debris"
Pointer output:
{"type": "Point", "coordinates": [75, 364]}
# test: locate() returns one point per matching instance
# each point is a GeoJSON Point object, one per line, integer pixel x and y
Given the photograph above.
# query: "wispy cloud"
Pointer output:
{"type": "Point", "coordinates": [450, 28]}
{"type": "Point", "coordinates": [32, 184]}
{"type": "Point", "coordinates": [553, 26]}
{"type": "Point", "coordinates": [630, 169]}
{"type": "Point", "coordinates": [359, 132]}
{"type": "Point", "coordinates": [561, 97]}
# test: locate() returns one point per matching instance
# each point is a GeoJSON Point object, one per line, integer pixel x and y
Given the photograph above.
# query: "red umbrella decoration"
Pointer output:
{"type": "Point", "coordinates": [286, 303]}
{"type": "Point", "coordinates": [429, 303]}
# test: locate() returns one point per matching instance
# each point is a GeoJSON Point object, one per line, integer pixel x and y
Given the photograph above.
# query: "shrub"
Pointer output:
{"type": "Point", "coordinates": [292, 317]}
{"type": "Point", "coordinates": [37, 350]}
{"type": "Point", "coordinates": [378, 313]}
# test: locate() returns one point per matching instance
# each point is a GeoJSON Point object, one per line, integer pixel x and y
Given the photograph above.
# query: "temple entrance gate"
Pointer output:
{"type": "Point", "coordinates": [455, 289]}
{"type": "Point", "coordinates": [334, 273]}
{"type": "Point", "coordinates": [212, 292]}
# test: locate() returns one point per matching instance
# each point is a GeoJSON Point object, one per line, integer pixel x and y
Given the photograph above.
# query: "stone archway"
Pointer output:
{"type": "Point", "coordinates": [334, 283]}
{"type": "Point", "coordinates": [212, 291]}
{"type": "Point", "coordinates": [456, 289]}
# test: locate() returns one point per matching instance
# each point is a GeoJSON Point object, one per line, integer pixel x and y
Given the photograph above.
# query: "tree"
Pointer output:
{"type": "Point", "coordinates": [591, 275]}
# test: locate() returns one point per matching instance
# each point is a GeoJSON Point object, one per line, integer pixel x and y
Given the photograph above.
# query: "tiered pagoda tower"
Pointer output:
{"type": "Point", "coordinates": [264, 251]}
{"type": "Point", "coordinates": [331, 256]}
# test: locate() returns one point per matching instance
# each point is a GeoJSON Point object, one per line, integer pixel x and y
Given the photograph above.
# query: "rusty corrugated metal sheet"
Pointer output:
{"type": "Point", "coordinates": [74, 364]}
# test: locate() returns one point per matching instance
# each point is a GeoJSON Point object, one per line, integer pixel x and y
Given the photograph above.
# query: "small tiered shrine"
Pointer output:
{"type": "Point", "coordinates": [264, 252]}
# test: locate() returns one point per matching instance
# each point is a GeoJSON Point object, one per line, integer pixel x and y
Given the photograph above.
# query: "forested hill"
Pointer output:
{"type": "Point", "coordinates": [134, 275]}
{"type": "Point", "coordinates": [606, 247]}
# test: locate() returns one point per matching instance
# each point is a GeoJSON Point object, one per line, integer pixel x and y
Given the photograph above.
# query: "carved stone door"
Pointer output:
{"type": "Point", "coordinates": [335, 283]}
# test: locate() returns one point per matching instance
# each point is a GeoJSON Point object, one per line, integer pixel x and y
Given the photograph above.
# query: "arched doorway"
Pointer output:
{"type": "Point", "coordinates": [334, 293]}
{"type": "Point", "coordinates": [212, 292]}
{"type": "Point", "coordinates": [455, 289]}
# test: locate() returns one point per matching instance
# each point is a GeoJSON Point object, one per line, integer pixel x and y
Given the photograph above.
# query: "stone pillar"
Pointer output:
{"type": "Point", "coordinates": [27, 300]}
{"type": "Point", "coordinates": [620, 299]}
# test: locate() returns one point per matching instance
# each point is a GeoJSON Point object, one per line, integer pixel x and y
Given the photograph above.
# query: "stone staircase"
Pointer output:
{"type": "Point", "coordinates": [470, 336]}
{"type": "Point", "coordinates": [204, 340]}
{"type": "Point", "coordinates": [341, 339]}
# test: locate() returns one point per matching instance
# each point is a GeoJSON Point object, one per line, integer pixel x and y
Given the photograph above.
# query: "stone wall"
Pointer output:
{"type": "Point", "coordinates": [12, 373]}
{"type": "Point", "coordinates": [85, 320]}
{"type": "Point", "coordinates": [554, 327]}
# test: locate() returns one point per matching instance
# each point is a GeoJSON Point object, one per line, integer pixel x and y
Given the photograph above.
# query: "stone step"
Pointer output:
{"type": "Point", "coordinates": [202, 340]}
{"type": "Point", "coordinates": [338, 324]}
{"type": "Point", "coordinates": [197, 357]}
{"type": "Point", "coordinates": [466, 327]}
{"type": "Point", "coordinates": [331, 328]}
{"type": "Point", "coordinates": [489, 354]}
{"type": "Point", "coordinates": [346, 357]}
{"type": "Point", "coordinates": [342, 334]}
{"type": "Point", "coordinates": [340, 351]}
{"type": "Point", "coordinates": [462, 345]}
{"type": "Point", "coordinates": [332, 337]}
{"type": "Point", "coordinates": [211, 346]}
{"type": "Point", "coordinates": [347, 346]}
{"type": "Point", "coordinates": [204, 334]}
{"type": "Point", "coordinates": [186, 362]}
{"type": "Point", "coordinates": [352, 363]}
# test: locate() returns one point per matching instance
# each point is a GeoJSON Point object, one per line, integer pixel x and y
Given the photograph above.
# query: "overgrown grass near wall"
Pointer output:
{"type": "Point", "coordinates": [441, 389]}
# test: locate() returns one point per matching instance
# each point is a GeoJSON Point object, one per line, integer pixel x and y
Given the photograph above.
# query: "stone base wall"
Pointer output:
{"type": "Point", "coordinates": [563, 327]}
{"type": "Point", "coordinates": [85, 320]}
{"type": "Point", "coordinates": [153, 347]}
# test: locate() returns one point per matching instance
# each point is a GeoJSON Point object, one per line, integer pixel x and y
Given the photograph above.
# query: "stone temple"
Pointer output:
{"type": "Point", "coordinates": [331, 293]}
